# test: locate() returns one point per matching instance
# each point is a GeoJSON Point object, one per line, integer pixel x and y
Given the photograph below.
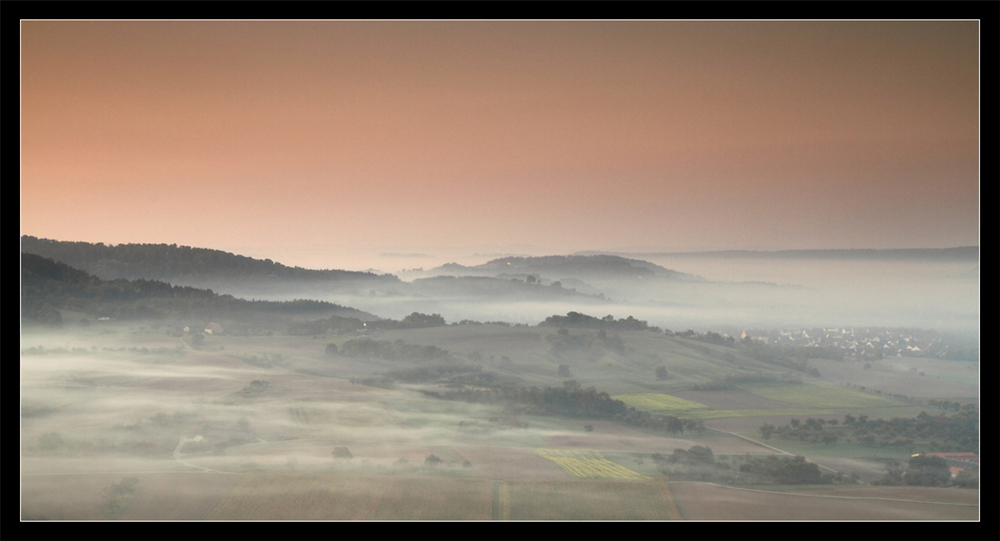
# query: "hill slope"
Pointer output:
{"type": "Point", "coordinates": [184, 265]}
{"type": "Point", "coordinates": [48, 286]}
{"type": "Point", "coordinates": [602, 267]}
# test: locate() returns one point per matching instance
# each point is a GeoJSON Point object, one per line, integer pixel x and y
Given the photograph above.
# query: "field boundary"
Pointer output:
{"type": "Point", "coordinates": [755, 442]}
{"type": "Point", "coordinates": [672, 510]}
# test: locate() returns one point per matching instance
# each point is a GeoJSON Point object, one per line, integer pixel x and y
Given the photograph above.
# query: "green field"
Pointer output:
{"type": "Point", "coordinates": [660, 403]}
{"type": "Point", "coordinates": [728, 414]}
{"type": "Point", "coordinates": [821, 396]}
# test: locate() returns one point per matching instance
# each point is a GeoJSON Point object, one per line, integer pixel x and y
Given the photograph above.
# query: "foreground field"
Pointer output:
{"type": "Point", "coordinates": [332, 497]}
{"type": "Point", "coordinates": [292, 496]}
{"type": "Point", "coordinates": [608, 499]}
{"type": "Point", "coordinates": [700, 501]}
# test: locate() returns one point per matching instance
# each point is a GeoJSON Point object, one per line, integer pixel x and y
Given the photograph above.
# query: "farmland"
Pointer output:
{"type": "Point", "coordinates": [823, 396]}
{"type": "Point", "coordinates": [699, 501]}
{"type": "Point", "coordinates": [587, 464]}
{"type": "Point", "coordinates": [282, 496]}
{"type": "Point", "coordinates": [247, 428]}
{"type": "Point", "coordinates": [592, 500]}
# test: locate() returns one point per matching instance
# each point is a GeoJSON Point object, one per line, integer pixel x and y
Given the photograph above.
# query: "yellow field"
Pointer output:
{"type": "Point", "coordinates": [659, 403]}
{"type": "Point", "coordinates": [821, 396]}
{"type": "Point", "coordinates": [587, 464]}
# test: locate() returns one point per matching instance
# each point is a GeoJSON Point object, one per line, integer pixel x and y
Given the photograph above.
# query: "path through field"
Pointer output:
{"type": "Point", "coordinates": [501, 501]}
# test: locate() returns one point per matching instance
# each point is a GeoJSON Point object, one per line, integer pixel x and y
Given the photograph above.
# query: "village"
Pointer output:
{"type": "Point", "coordinates": [871, 342]}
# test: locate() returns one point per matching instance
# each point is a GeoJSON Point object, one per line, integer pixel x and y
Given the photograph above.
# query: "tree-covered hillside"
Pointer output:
{"type": "Point", "coordinates": [48, 286]}
{"type": "Point", "coordinates": [183, 264]}
{"type": "Point", "coordinates": [578, 266]}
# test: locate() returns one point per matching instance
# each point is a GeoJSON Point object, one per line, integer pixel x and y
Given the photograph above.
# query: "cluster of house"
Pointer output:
{"type": "Point", "coordinates": [864, 342]}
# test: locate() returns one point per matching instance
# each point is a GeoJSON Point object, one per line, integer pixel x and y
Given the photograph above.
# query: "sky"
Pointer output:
{"type": "Point", "coordinates": [307, 141]}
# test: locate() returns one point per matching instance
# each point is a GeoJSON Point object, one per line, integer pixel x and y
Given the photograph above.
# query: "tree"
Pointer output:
{"type": "Point", "coordinates": [661, 372]}
{"type": "Point", "coordinates": [564, 371]}
{"type": "Point", "coordinates": [927, 471]}
{"type": "Point", "coordinates": [331, 350]}
{"type": "Point", "coordinates": [432, 460]}
{"type": "Point", "coordinates": [893, 474]}
{"type": "Point", "coordinates": [342, 452]}
{"type": "Point", "coordinates": [767, 430]}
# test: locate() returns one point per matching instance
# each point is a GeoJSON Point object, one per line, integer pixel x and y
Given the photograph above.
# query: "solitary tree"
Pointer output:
{"type": "Point", "coordinates": [661, 372]}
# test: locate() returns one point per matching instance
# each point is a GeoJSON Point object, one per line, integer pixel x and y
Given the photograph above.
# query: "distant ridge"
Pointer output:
{"type": "Point", "coordinates": [960, 253]}
{"type": "Point", "coordinates": [184, 265]}
{"type": "Point", "coordinates": [598, 265]}
{"type": "Point", "coordinates": [48, 285]}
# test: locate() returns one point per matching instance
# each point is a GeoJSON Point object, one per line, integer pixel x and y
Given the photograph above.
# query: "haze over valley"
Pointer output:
{"type": "Point", "coordinates": [500, 270]}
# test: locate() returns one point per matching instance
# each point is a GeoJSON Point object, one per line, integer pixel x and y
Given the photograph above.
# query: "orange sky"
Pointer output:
{"type": "Point", "coordinates": [562, 135]}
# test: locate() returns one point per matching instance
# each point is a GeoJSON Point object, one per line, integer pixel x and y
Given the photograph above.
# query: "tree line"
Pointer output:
{"type": "Point", "coordinates": [957, 432]}
{"type": "Point", "coordinates": [571, 400]}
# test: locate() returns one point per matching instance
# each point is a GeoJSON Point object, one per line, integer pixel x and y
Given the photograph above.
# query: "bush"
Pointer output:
{"type": "Point", "coordinates": [965, 479]}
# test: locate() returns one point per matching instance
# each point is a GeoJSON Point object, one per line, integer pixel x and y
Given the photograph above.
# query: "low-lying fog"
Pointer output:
{"type": "Point", "coordinates": [736, 293]}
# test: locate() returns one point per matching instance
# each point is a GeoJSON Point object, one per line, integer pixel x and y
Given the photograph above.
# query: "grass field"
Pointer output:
{"type": "Point", "coordinates": [276, 496]}
{"type": "Point", "coordinates": [820, 396]}
{"type": "Point", "coordinates": [725, 414]}
{"type": "Point", "coordinates": [660, 403]}
{"type": "Point", "coordinates": [606, 499]}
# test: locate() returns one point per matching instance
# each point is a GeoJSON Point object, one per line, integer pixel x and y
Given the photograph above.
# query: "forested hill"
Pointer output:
{"type": "Point", "coordinates": [201, 267]}
{"type": "Point", "coordinates": [48, 286]}
{"type": "Point", "coordinates": [580, 266]}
